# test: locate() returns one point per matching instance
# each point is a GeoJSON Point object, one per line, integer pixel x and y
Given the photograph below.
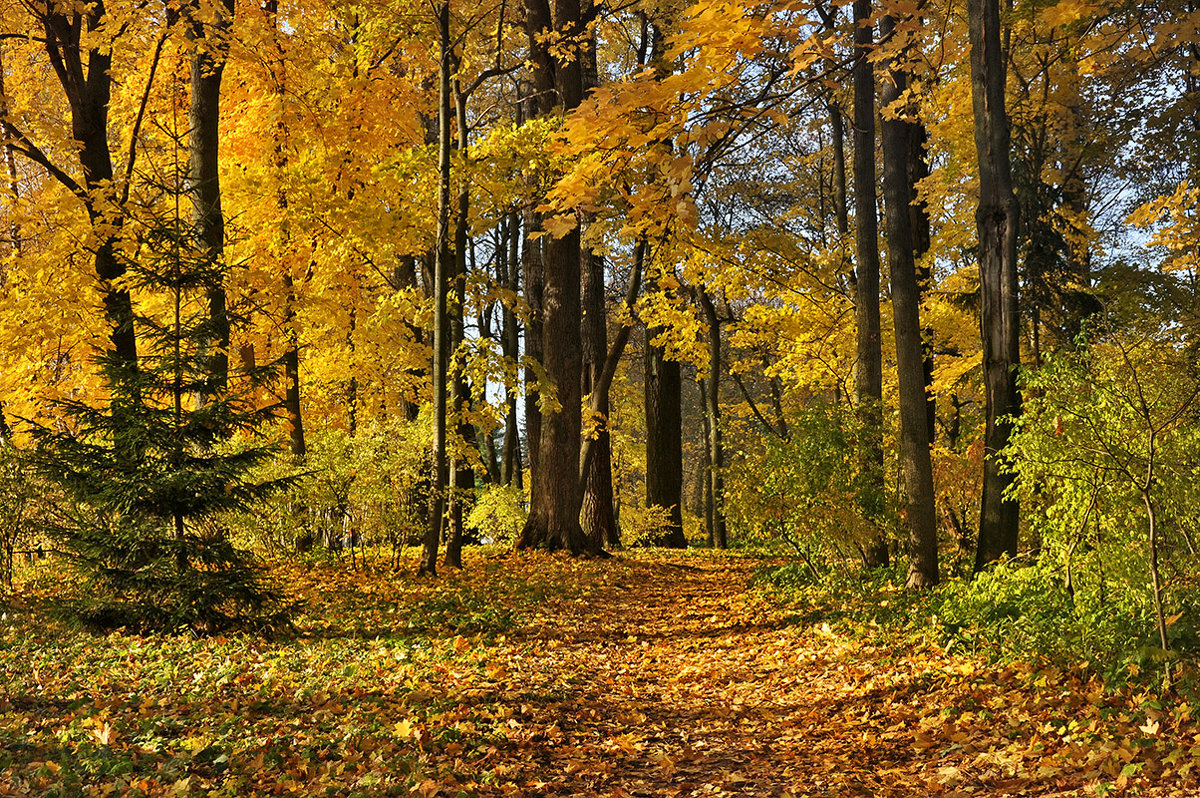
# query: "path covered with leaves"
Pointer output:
{"type": "Point", "coordinates": [652, 675]}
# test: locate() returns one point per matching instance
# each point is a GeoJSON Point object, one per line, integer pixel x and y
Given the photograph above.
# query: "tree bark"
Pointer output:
{"type": "Point", "coordinates": [441, 282]}
{"type": "Point", "coordinates": [598, 519]}
{"type": "Point", "coordinates": [464, 473]}
{"type": "Point", "coordinates": [715, 510]}
{"type": "Point", "coordinates": [207, 68]}
{"type": "Point", "coordinates": [664, 439]}
{"type": "Point", "coordinates": [554, 512]}
{"type": "Point", "coordinates": [510, 470]}
{"type": "Point", "coordinates": [868, 376]}
{"type": "Point", "coordinates": [88, 91]}
{"type": "Point", "coordinates": [906, 304]}
{"type": "Point", "coordinates": [996, 221]}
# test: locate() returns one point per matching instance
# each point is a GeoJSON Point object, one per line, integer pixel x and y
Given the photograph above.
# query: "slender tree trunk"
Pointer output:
{"type": "Point", "coordinates": [291, 357]}
{"type": "Point", "coordinates": [1155, 577]}
{"type": "Point", "coordinates": [406, 278]}
{"type": "Point", "coordinates": [511, 458]}
{"type": "Point", "coordinates": [441, 282]}
{"type": "Point", "coordinates": [707, 466]}
{"type": "Point", "coordinates": [996, 220]}
{"type": "Point", "coordinates": [204, 113]}
{"type": "Point", "coordinates": [13, 185]}
{"type": "Point", "coordinates": [464, 473]}
{"type": "Point", "coordinates": [598, 519]}
{"type": "Point", "coordinates": [910, 357]}
{"type": "Point", "coordinates": [712, 414]}
{"type": "Point", "coordinates": [868, 376]}
{"type": "Point", "coordinates": [557, 496]}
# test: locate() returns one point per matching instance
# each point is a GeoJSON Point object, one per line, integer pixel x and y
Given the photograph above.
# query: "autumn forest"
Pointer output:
{"type": "Point", "coordinates": [634, 398]}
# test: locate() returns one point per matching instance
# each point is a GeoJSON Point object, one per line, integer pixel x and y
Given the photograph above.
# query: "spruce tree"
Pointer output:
{"type": "Point", "coordinates": [149, 472]}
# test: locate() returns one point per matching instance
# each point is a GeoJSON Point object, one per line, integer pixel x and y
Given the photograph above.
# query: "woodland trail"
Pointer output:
{"type": "Point", "coordinates": [673, 679]}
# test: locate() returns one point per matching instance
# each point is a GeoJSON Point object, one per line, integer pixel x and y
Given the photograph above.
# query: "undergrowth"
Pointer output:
{"type": "Point", "coordinates": [1012, 612]}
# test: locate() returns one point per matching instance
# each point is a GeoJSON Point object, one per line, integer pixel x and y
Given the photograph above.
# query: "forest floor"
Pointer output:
{"type": "Point", "coordinates": [644, 675]}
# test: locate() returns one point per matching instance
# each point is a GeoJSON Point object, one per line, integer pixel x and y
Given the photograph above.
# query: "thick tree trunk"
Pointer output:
{"type": "Point", "coordinates": [441, 287]}
{"type": "Point", "coordinates": [664, 439]}
{"type": "Point", "coordinates": [599, 521]}
{"type": "Point", "coordinates": [996, 220]}
{"type": "Point", "coordinates": [868, 376]}
{"type": "Point", "coordinates": [910, 356]}
{"type": "Point", "coordinates": [918, 169]}
{"type": "Point", "coordinates": [715, 511]}
{"type": "Point", "coordinates": [88, 90]}
{"type": "Point", "coordinates": [204, 113]}
{"type": "Point", "coordinates": [554, 512]}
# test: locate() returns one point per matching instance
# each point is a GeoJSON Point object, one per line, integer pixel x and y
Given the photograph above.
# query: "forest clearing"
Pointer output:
{"type": "Point", "coordinates": [644, 675]}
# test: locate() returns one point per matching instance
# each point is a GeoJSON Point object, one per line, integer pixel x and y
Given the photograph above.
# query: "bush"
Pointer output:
{"type": "Point", "coordinates": [499, 513]}
{"type": "Point", "coordinates": [374, 482]}
{"type": "Point", "coordinates": [803, 492]}
{"type": "Point", "coordinates": [1105, 465]}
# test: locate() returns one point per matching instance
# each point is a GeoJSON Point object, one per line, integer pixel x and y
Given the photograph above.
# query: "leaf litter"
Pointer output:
{"type": "Point", "coordinates": [652, 674]}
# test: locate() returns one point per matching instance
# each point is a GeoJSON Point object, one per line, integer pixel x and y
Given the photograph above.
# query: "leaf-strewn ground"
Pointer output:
{"type": "Point", "coordinates": [651, 675]}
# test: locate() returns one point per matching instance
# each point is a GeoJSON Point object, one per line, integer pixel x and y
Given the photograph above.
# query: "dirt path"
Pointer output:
{"type": "Point", "coordinates": [671, 679]}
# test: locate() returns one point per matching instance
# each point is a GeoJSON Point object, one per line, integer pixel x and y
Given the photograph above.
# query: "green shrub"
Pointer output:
{"type": "Point", "coordinates": [499, 513]}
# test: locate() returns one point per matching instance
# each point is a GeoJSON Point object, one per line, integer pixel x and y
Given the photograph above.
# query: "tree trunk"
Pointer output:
{"type": "Point", "coordinates": [996, 221]}
{"type": "Point", "coordinates": [715, 511]}
{"type": "Point", "coordinates": [868, 376]}
{"type": "Point", "coordinates": [918, 214]}
{"type": "Point", "coordinates": [12, 184]}
{"type": "Point", "coordinates": [554, 512]}
{"type": "Point", "coordinates": [599, 522]}
{"type": "Point", "coordinates": [510, 471]}
{"type": "Point", "coordinates": [910, 356]}
{"type": "Point", "coordinates": [88, 91]}
{"type": "Point", "coordinates": [204, 114]}
{"type": "Point", "coordinates": [464, 473]}
{"type": "Point", "coordinates": [664, 439]}
{"type": "Point", "coordinates": [706, 468]}
{"type": "Point", "coordinates": [441, 283]}
{"type": "Point", "coordinates": [598, 519]}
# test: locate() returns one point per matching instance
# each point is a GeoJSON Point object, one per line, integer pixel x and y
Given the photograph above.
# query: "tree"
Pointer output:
{"type": "Point", "coordinates": [441, 317]}
{"type": "Point", "coordinates": [150, 478]}
{"type": "Point", "coordinates": [207, 69]}
{"type": "Point", "coordinates": [996, 223]}
{"type": "Point", "coordinates": [556, 494]}
{"type": "Point", "coordinates": [868, 373]}
{"type": "Point", "coordinates": [906, 302]}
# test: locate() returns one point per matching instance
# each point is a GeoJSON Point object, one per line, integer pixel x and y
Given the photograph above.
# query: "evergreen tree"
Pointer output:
{"type": "Point", "coordinates": [149, 473]}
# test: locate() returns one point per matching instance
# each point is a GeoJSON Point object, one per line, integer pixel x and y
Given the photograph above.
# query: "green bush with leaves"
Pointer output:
{"type": "Point", "coordinates": [372, 481]}
{"type": "Point", "coordinates": [801, 492]}
{"type": "Point", "coordinates": [1105, 459]}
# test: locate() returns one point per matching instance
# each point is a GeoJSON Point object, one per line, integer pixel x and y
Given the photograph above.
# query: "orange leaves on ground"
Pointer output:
{"type": "Point", "coordinates": [643, 675]}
